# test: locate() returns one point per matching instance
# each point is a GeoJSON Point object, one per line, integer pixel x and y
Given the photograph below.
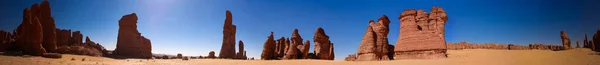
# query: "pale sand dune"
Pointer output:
{"type": "Point", "coordinates": [578, 56]}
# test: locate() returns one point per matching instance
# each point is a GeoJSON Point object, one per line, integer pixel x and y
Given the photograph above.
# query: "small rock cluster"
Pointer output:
{"type": "Point", "coordinates": [286, 48]}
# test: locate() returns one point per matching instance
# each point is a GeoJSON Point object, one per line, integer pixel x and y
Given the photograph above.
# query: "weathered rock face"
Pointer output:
{"type": "Point", "coordinates": [367, 48]}
{"type": "Point", "coordinates": [48, 27]}
{"type": "Point", "coordinates": [130, 42]}
{"type": "Point", "coordinates": [241, 52]}
{"type": "Point", "coordinates": [5, 40]}
{"type": "Point", "coordinates": [76, 38]}
{"type": "Point", "coordinates": [29, 33]}
{"type": "Point", "coordinates": [323, 47]}
{"type": "Point", "coordinates": [304, 49]}
{"type": "Point", "coordinates": [421, 35]}
{"type": "Point", "coordinates": [293, 51]}
{"type": "Point", "coordinates": [281, 47]}
{"type": "Point", "coordinates": [211, 54]}
{"type": "Point", "coordinates": [228, 46]}
{"type": "Point", "coordinates": [374, 45]}
{"type": "Point", "coordinates": [62, 37]}
{"type": "Point", "coordinates": [566, 41]}
{"type": "Point", "coordinates": [268, 48]}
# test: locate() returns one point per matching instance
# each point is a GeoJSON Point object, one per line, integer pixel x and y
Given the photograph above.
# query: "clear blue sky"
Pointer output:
{"type": "Point", "coordinates": [194, 27]}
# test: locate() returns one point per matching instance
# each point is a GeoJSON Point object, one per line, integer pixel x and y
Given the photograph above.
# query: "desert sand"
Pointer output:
{"type": "Point", "coordinates": [579, 56]}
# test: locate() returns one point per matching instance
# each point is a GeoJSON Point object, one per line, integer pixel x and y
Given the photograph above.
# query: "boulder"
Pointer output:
{"type": "Point", "coordinates": [268, 48]}
{"type": "Point", "coordinates": [29, 33]}
{"type": "Point", "coordinates": [211, 54]}
{"type": "Point", "coordinates": [130, 42]}
{"type": "Point", "coordinates": [566, 41]}
{"type": "Point", "coordinates": [323, 47]}
{"type": "Point", "coordinates": [421, 34]}
{"type": "Point", "coordinates": [228, 46]}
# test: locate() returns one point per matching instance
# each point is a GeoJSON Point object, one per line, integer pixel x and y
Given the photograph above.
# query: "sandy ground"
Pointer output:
{"type": "Point", "coordinates": [578, 56]}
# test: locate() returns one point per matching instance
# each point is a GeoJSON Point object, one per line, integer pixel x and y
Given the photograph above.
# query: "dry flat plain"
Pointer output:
{"type": "Point", "coordinates": [579, 56]}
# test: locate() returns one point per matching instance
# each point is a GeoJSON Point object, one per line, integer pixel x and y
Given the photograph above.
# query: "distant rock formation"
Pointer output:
{"type": "Point", "coordinates": [351, 57]}
{"type": "Point", "coordinates": [374, 44]}
{"type": "Point", "coordinates": [323, 47]}
{"type": "Point", "coordinates": [577, 44]}
{"type": "Point", "coordinates": [595, 43]}
{"type": "Point", "coordinates": [586, 44]}
{"type": "Point", "coordinates": [211, 54]}
{"type": "Point", "coordinates": [268, 48]}
{"type": "Point", "coordinates": [76, 38]}
{"type": "Point", "coordinates": [130, 42]}
{"type": "Point", "coordinates": [466, 45]}
{"type": "Point", "coordinates": [517, 47]}
{"type": "Point", "coordinates": [179, 56]}
{"type": "Point", "coordinates": [566, 41]}
{"type": "Point", "coordinates": [421, 34]}
{"type": "Point", "coordinates": [228, 46]}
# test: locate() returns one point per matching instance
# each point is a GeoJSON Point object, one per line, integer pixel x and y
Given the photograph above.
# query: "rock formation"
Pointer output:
{"type": "Point", "coordinates": [130, 42]}
{"type": "Point", "coordinates": [323, 47]}
{"type": "Point", "coordinates": [421, 34]}
{"type": "Point", "coordinates": [211, 54]}
{"type": "Point", "coordinates": [29, 33]}
{"type": "Point", "coordinates": [62, 37]}
{"type": "Point", "coordinates": [268, 48]}
{"type": "Point", "coordinates": [241, 52]}
{"type": "Point", "coordinates": [566, 41]}
{"type": "Point", "coordinates": [595, 44]}
{"type": "Point", "coordinates": [374, 45]}
{"type": "Point", "coordinates": [304, 49]}
{"type": "Point", "coordinates": [48, 26]}
{"type": "Point", "coordinates": [577, 45]}
{"type": "Point", "coordinates": [351, 57]}
{"type": "Point", "coordinates": [179, 55]}
{"type": "Point", "coordinates": [585, 42]}
{"type": "Point", "coordinates": [228, 46]}
{"type": "Point", "coordinates": [293, 52]}
{"type": "Point", "coordinates": [5, 40]}
{"type": "Point", "coordinates": [76, 38]}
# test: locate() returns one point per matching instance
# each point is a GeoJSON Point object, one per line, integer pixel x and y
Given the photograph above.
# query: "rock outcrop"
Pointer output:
{"type": "Point", "coordinates": [577, 44]}
{"type": "Point", "coordinates": [130, 42]}
{"type": "Point", "coordinates": [466, 45]}
{"type": "Point", "coordinates": [76, 38]}
{"type": "Point", "coordinates": [268, 48]}
{"type": "Point", "coordinates": [241, 52]}
{"type": "Point", "coordinates": [421, 34]}
{"type": "Point", "coordinates": [374, 45]}
{"type": "Point", "coordinates": [48, 26]}
{"type": "Point", "coordinates": [211, 54]}
{"type": "Point", "coordinates": [294, 51]}
{"type": "Point", "coordinates": [305, 49]}
{"type": "Point", "coordinates": [228, 46]}
{"type": "Point", "coordinates": [595, 42]}
{"type": "Point", "coordinates": [586, 44]}
{"type": "Point", "coordinates": [351, 57]}
{"type": "Point", "coordinates": [323, 47]}
{"type": "Point", "coordinates": [29, 33]}
{"type": "Point", "coordinates": [566, 41]}
{"type": "Point", "coordinates": [5, 40]}
{"type": "Point", "coordinates": [63, 37]}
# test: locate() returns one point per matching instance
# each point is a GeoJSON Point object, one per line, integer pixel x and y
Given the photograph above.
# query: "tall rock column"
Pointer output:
{"type": "Point", "coordinates": [48, 26]}
{"type": "Point", "coordinates": [323, 47]}
{"type": "Point", "coordinates": [305, 48]}
{"type": "Point", "coordinates": [367, 49]}
{"type": "Point", "coordinates": [130, 42]}
{"type": "Point", "coordinates": [585, 42]}
{"type": "Point", "coordinates": [293, 51]}
{"type": "Point", "coordinates": [381, 29]}
{"type": "Point", "coordinates": [228, 46]}
{"type": "Point", "coordinates": [596, 41]}
{"type": "Point", "coordinates": [241, 54]}
{"type": "Point", "coordinates": [566, 41]}
{"type": "Point", "coordinates": [418, 40]}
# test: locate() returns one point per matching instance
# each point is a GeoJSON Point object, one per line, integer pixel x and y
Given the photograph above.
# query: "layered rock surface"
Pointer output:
{"type": "Point", "coordinates": [421, 34]}
{"type": "Point", "coordinates": [268, 48]}
{"type": "Point", "coordinates": [323, 47]}
{"type": "Point", "coordinates": [130, 43]}
{"type": "Point", "coordinates": [374, 44]}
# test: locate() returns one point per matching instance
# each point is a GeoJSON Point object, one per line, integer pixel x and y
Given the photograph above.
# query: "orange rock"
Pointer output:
{"type": "Point", "coordinates": [323, 47]}
{"type": "Point", "coordinates": [268, 48]}
{"type": "Point", "coordinates": [421, 35]}
{"type": "Point", "coordinates": [566, 41]}
{"type": "Point", "coordinates": [30, 36]}
{"type": "Point", "coordinates": [228, 46]}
